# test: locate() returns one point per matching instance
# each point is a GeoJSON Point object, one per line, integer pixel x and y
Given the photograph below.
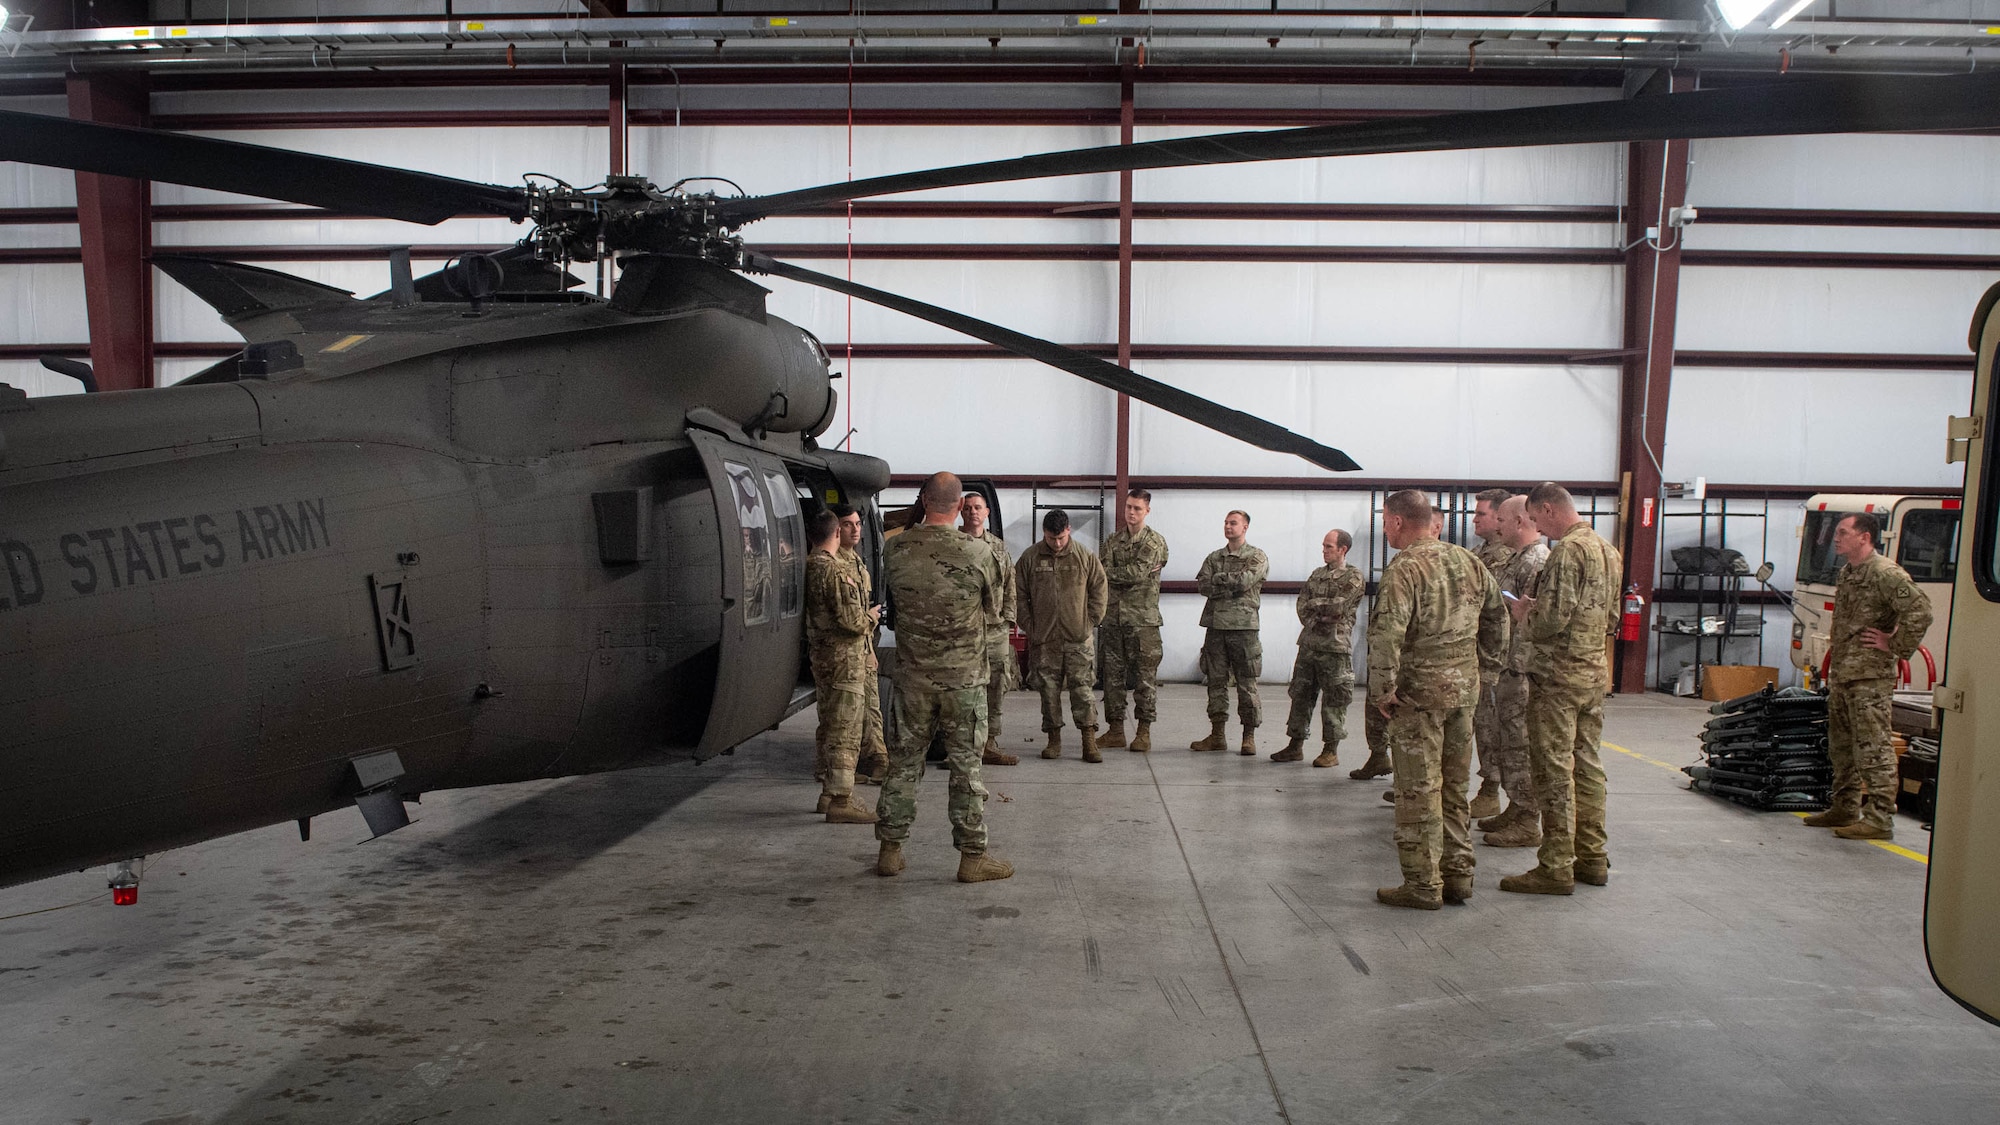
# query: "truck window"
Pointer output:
{"type": "Point", "coordinates": [1927, 545]}
{"type": "Point", "coordinates": [1818, 565]}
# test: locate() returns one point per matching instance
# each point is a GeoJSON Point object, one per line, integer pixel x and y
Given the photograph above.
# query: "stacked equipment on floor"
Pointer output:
{"type": "Point", "coordinates": [1767, 750]}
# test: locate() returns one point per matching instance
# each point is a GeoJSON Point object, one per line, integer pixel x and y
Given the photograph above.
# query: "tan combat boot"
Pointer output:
{"type": "Point", "coordinates": [1090, 753]}
{"type": "Point", "coordinates": [1486, 802]}
{"type": "Point", "coordinates": [1389, 795]}
{"type": "Point", "coordinates": [889, 860]}
{"type": "Point", "coordinates": [1142, 738]}
{"type": "Point", "coordinates": [1114, 736]}
{"type": "Point", "coordinates": [1329, 755]}
{"type": "Point", "coordinates": [981, 867]}
{"type": "Point", "coordinates": [1862, 830]}
{"type": "Point", "coordinates": [1538, 882]}
{"type": "Point", "coordinates": [1218, 739]}
{"type": "Point", "coordinates": [825, 802]}
{"type": "Point", "coordinates": [874, 771]}
{"type": "Point", "coordinates": [1835, 817]}
{"type": "Point", "coordinates": [1596, 874]}
{"type": "Point", "coordinates": [1522, 832]}
{"type": "Point", "coordinates": [1249, 747]}
{"type": "Point", "coordinates": [1377, 765]}
{"type": "Point", "coordinates": [1416, 898]}
{"type": "Point", "coordinates": [1457, 888]}
{"type": "Point", "coordinates": [847, 810]}
{"type": "Point", "coordinates": [1294, 751]}
{"type": "Point", "coordinates": [994, 756]}
{"type": "Point", "coordinates": [1507, 816]}
{"type": "Point", "coordinates": [1054, 748]}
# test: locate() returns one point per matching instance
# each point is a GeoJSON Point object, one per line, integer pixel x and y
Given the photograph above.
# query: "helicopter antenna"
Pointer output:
{"type": "Point", "coordinates": [676, 185]}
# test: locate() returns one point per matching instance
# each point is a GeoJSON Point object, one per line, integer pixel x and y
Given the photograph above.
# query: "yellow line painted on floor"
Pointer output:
{"type": "Point", "coordinates": [1888, 847]}
{"type": "Point", "coordinates": [1883, 844]}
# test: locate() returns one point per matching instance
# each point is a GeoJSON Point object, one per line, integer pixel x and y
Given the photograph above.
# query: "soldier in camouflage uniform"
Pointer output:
{"type": "Point", "coordinates": [1324, 670]}
{"type": "Point", "coordinates": [1574, 609]}
{"type": "Point", "coordinates": [942, 588]}
{"type": "Point", "coordinates": [1494, 552]}
{"type": "Point", "coordinates": [1879, 619]}
{"type": "Point", "coordinates": [1519, 826]}
{"type": "Point", "coordinates": [1232, 579]}
{"type": "Point", "coordinates": [1133, 560]}
{"type": "Point", "coordinates": [1438, 628]}
{"type": "Point", "coordinates": [1063, 592]}
{"type": "Point", "coordinates": [840, 626]}
{"type": "Point", "coordinates": [1000, 667]}
{"type": "Point", "coordinates": [874, 765]}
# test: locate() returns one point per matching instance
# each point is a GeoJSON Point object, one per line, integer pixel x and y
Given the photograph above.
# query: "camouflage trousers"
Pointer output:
{"type": "Point", "coordinates": [1433, 755]}
{"type": "Point", "coordinates": [1001, 677]}
{"type": "Point", "coordinates": [1857, 740]}
{"type": "Point", "coordinates": [1071, 664]}
{"type": "Point", "coordinates": [1510, 757]}
{"type": "Point", "coordinates": [1325, 677]}
{"type": "Point", "coordinates": [1233, 656]}
{"type": "Point", "coordinates": [1131, 652]}
{"type": "Point", "coordinates": [1486, 734]}
{"type": "Point", "coordinates": [1375, 728]}
{"type": "Point", "coordinates": [842, 712]}
{"type": "Point", "coordinates": [960, 717]}
{"type": "Point", "coordinates": [1565, 721]}
{"type": "Point", "coordinates": [873, 749]}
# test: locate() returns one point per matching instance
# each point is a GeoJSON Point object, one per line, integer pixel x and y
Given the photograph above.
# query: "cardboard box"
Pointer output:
{"type": "Point", "coordinates": [1727, 681]}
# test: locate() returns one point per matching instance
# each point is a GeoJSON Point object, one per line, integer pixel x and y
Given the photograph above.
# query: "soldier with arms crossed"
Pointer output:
{"type": "Point", "coordinates": [999, 654]}
{"type": "Point", "coordinates": [1438, 627]}
{"type": "Point", "coordinates": [1232, 579]}
{"type": "Point", "coordinates": [1133, 560]}
{"type": "Point", "coordinates": [942, 588]}
{"type": "Point", "coordinates": [1879, 618]}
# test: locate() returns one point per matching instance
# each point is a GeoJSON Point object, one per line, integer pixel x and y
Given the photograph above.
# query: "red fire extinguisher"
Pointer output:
{"type": "Point", "coordinates": [1632, 622]}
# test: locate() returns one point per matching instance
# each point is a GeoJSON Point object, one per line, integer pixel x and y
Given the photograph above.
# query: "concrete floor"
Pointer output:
{"type": "Point", "coordinates": [1189, 938]}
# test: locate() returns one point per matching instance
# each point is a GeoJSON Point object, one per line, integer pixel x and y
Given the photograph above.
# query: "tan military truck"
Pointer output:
{"type": "Point", "coordinates": [1920, 533]}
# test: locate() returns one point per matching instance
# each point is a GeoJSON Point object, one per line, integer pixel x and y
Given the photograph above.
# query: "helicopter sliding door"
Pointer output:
{"type": "Point", "coordinates": [763, 590]}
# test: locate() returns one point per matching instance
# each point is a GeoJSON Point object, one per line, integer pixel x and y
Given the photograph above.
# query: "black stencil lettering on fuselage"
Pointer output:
{"type": "Point", "coordinates": [154, 550]}
{"type": "Point", "coordinates": [24, 575]}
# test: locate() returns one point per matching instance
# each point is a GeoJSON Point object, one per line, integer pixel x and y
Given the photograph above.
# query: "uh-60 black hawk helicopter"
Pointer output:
{"type": "Point", "coordinates": [479, 528]}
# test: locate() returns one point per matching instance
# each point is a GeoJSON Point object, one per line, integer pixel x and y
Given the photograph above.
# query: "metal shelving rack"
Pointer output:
{"type": "Point", "coordinates": [1711, 595]}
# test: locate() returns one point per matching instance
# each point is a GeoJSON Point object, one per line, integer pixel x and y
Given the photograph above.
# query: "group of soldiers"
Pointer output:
{"type": "Point", "coordinates": [1503, 651]}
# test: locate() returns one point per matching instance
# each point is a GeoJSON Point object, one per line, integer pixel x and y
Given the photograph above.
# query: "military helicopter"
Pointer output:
{"type": "Point", "coordinates": [479, 528]}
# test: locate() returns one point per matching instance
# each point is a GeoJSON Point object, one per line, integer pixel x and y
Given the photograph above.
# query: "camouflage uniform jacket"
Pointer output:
{"type": "Point", "coordinates": [1516, 576]}
{"type": "Point", "coordinates": [1062, 593]}
{"type": "Point", "coordinates": [1494, 553]}
{"type": "Point", "coordinates": [851, 558]}
{"type": "Point", "coordinates": [1326, 608]}
{"type": "Point", "coordinates": [1006, 615]}
{"type": "Point", "coordinates": [1438, 627]}
{"type": "Point", "coordinates": [839, 635]}
{"type": "Point", "coordinates": [1232, 581]}
{"type": "Point", "coordinates": [1576, 607]}
{"type": "Point", "coordinates": [1875, 594]}
{"type": "Point", "coordinates": [1133, 563]}
{"type": "Point", "coordinates": [942, 587]}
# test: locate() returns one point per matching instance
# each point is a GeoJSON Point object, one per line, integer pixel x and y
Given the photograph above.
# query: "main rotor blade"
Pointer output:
{"type": "Point", "coordinates": [1861, 104]}
{"type": "Point", "coordinates": [1173, 400]}
{"type": "Point", "coordinates": [246, 169]}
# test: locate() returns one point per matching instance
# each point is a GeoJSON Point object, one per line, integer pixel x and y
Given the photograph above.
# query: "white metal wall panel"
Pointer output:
{"type": "Point", "coordinates": [1068, 302]}
{"type": "Point", "coordinates": [1557, 174]}
{"type": "Point", "coordinates": [1259, 232]}
{"type": "Point", "coordinates": [1841, 240]}
{"type": "Point", "coordinates": [1402, 304]}
{"type": "Point", "coordinates": [1865, 171]}
{"type": "Point", "coordinates": [977, 417]}
{"type": "Point", "coordinates": [1397, 420]}
{"type": "Point", "coordinates": [1814, 427]}
{"type": "Point", "coordinates": [497, 156]}
{"type": "Point", "coordinates": [1922, 312]}
{"type": "Point", "coordinates": [43, 304]}
{"type": "Point", "coordinates": [29, 375]}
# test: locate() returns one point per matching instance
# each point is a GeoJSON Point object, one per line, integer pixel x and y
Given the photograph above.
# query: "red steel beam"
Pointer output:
{"type": "Point", "coordinates": [1656, 182]}
{"type": "Point", "coordinates": [116, 229]}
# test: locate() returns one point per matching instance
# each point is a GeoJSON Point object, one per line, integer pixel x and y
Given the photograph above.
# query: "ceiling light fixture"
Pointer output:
{"type": "Point", "coordinates": [1795, 9]}
{"type": "Point", "coordinates": [1738, 13]}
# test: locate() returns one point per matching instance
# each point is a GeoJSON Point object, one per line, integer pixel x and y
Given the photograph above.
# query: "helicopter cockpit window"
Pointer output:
{"type": "Point", "coordinates": [790, 544]}
{"type": "Point", "coordinates": [753, 517]}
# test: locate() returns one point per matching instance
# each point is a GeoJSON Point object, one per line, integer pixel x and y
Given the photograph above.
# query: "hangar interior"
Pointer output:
{"type": "Point", "coordinates": [1777, 318]}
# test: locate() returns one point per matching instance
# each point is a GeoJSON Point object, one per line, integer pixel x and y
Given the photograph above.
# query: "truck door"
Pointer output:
{"type": "Point", "coordinates": [763, 590]}
{"type": "Point", "coordinates": [1962, 901]}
